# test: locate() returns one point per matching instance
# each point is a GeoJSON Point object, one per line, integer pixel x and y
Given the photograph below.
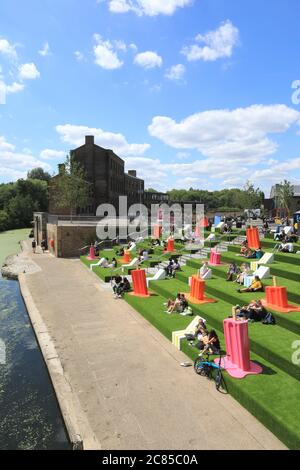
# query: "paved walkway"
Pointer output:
{"type": "Point", "coordinates": [127, 377]}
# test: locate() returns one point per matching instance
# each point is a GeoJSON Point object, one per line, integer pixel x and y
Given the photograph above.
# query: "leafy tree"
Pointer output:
{"type": "Point", "coordinates": [4, 221]}
{"type": "Point", "coordinates": [39, 174]}
{"type": "Point", "coordinates": [285, 196]}
{"type": "Point", "coordinates": [70, 189]}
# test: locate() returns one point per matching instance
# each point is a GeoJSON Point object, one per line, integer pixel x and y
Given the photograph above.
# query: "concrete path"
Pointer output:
{"type": "Point", "coordinates": [130, 389]}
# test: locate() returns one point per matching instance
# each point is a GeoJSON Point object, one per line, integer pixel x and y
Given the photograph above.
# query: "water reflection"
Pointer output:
{"type": "Point", "coordinates": [29, 413]}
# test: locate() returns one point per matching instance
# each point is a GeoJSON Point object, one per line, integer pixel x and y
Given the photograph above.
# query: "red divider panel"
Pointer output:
{"type": "Point", "coordinates": [171, 246]}
{"type": "Point", "coordinates": [126, 257]}
{"type": "Point", "coordinates": [197, 288]}
{"type": "Point", "coordinates": [277, 296]}
{"type": "Point", "coordinates": [139, 283]}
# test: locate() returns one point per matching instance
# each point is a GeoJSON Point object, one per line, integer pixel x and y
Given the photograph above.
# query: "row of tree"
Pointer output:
{"type": "Point", "coordinates": [19, 200]}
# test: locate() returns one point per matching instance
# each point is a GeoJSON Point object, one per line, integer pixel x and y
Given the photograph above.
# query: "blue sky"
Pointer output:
{"type": "Point", "coordinates": [191, 93]}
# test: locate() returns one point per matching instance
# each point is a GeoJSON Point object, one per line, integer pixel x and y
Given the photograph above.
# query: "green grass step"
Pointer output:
{"type": "Point", "coordinates": [290, 321]}
{"type": "Point", "coordinates": [285, 270]}
{"type": "Point", "coordinates": [272, 397]}
{"type": "Point", "coordinates": [290, 258]}
{"type": "Point", "coordinates": [273, 343]}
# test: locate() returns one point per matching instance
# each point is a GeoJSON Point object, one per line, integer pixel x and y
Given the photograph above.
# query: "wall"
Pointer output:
{"type": "Point", "coordinates": [71, 238]}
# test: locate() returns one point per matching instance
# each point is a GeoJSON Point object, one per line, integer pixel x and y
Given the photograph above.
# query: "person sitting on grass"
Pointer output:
{"type": "Point", "coordinates": [113, 263]}
{"type": "Point", "coordinates": [120, 252]}
{"type": "Point", "coordinates": [116, 280]}
{"type": "Point", "coordinates": [210, 344]}
{"type": "Point", "coordinates": [200, 332]}
{"type": "Point", "coordinates": [244, 249]}
{"type": "Point", "coordinates": [169, 268]}
{"type": "Point", "coordinates": [286, 248]}
{"type": "Point", "coordinates": [244, 272]}
{"type": "Point", "coordinates": [256, 286]}
{"type": "Point", "coordinates": [173, 305]}
{"type": "Point", "coordinates": [232, 271]}
{"type": "Point", "coordinates": [253, 312]}
{"type": "Point", "coordinates": [175, 267]}
{"type": "Point", "coordinates": [204, 269]}
{"type": "Point", "coordinates": [123, 286]}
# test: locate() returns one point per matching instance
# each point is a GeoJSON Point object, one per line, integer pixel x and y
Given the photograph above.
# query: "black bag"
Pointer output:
{"type": "Point", "coordinates": [269, 319]}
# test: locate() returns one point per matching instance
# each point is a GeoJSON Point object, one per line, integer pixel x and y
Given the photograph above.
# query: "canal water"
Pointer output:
{"type": "Point", "coordinates": [29, 414]}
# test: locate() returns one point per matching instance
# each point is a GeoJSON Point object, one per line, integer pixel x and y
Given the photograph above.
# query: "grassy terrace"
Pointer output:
{"type": "Point", "coordinates": [273, 397]}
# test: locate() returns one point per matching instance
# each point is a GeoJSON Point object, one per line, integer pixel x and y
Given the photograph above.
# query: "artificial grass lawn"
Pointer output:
{"type": "Point", "coordinates": [285, 270]}
{"type": "Point", "coordinates": [290, 258]}
{"type": "Point", "coordinates": [272, 397]}
{"type": "Point", "coordinates": [274, 343]}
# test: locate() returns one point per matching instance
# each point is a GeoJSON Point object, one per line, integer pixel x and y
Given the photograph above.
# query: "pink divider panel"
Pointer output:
{"type": "Point", "coordinates": [237, 343]}
{"type": "Point", "coordinates": [139, 283]}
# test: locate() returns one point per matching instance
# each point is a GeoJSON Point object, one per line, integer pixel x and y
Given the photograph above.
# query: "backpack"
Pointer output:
{"type": "Point", "coordinates": [269, 319]}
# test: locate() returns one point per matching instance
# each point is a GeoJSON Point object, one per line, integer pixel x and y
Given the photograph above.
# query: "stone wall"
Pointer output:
{"type": "Point", "coordinates": [68, 239]}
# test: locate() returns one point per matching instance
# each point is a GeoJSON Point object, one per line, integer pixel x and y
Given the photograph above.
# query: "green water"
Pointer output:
{"type": "Point", "coordinates": [29, 414]}
{"type": "Point", "coordinates": [9, 242]}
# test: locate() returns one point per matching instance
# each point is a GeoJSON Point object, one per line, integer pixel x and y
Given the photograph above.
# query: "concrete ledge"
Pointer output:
{"type": "Point", "coordinates": [79, 431]}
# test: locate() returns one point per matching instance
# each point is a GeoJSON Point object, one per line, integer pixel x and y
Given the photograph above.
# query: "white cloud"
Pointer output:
{"type": "Point", "coordinates": [7, 49]}
{"type": "Point", "coordinates": [147, 7]}
{"type": "Point", "coordinates": [28, 71]}
{"type": "Point", "coordinates": [48, 154]}
{"type": "Point", "coordinates": [105, 54]}
{"type": "Point", "coordinates": [214, 44]}
{"type": "Point", "coordinates": [241, 134]}
{"type": "Point", "coordinates": [14, 88]}
{"type": "Point", "coordinates": [14, 164]}
{"type": "Point", "coordinates": [176, 72]}
{"type": "Point", "coordinates": [148, 60]}
{"type": "Point", "coordinates": [75, 135]}
{"type": "Point", "coordinates": [45, 51]}
{"type": "Point", "coordinates": [79, 56]}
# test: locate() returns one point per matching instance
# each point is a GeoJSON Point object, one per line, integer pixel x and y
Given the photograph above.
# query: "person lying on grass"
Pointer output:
{"type": "Point", "coordinates": [253, 312]}
{"type": "Point", "coordinates": [256, 286]}
{"type": "Point", "coordinates": [178, 305]}
{"type": "Point", "coordinates": [210, 344]}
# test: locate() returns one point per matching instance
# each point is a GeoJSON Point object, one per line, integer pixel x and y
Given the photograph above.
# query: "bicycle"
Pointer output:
{"type": "Point", "coordinates": [206, 368]}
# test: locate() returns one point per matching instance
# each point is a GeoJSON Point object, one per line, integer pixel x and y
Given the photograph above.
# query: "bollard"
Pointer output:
{"type": "Point", "coordinates": [92, 256]}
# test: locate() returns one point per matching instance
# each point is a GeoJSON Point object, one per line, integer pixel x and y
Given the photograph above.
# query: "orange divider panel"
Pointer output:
{"type": "Point", "coordinates": [253, 238]}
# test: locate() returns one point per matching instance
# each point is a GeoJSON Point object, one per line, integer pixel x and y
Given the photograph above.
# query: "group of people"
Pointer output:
{"type": "Point", "coordinates": [120, 286]}
{"type": "Point", "coordinates": [106, 263]}
{"type": "Point", "coordinates": [248, 253]}
{"type": "Point", "coordinates": [238, 274]}
{"type": "Point", "coordinates": [179, 305]}
{"type": "Point", "coordinates": [205, 340]}
{"type": "Point", "coordinates": [254, 312]}
{"type": "Point", "coordinates": [173, 267]}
